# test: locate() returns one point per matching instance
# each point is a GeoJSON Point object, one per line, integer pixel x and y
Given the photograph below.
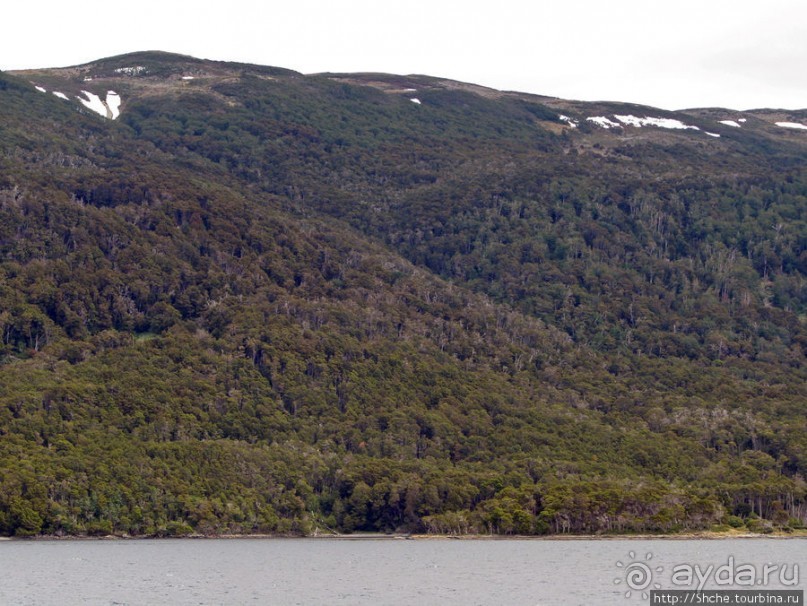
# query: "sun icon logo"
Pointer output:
{"type": "Point", "coordinates": [638, 575]}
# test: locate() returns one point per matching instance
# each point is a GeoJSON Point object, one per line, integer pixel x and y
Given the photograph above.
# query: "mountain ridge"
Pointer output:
{"type": "Point", "coordinates": [603, 123]}
{"type": "Point", "coordinates": [172, 57]}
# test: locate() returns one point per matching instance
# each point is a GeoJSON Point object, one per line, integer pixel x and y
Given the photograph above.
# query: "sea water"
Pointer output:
{"type": "Point", "coordinates": [384, 571]}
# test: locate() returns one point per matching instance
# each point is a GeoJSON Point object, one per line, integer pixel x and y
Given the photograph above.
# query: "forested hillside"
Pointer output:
{"type": "Point", "coordinates": [261, 302]}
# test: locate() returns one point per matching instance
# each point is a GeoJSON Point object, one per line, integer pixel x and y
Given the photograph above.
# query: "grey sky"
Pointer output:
{"type": "Point", "coordinates": [738, 54]}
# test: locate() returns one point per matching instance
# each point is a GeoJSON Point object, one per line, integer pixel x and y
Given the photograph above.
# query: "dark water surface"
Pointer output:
{"type": "Point", "coordinates": [364, 571]}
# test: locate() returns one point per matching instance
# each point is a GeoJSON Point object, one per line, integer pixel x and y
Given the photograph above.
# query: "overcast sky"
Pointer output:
{"type": "Point", "coordinates": [739, 54]}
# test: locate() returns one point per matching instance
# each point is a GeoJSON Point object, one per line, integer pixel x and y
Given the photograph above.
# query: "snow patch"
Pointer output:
{"type": "Point", "coordinates": [109, 108]}
{"type": "Point", "coordinates": [415, 100]}
{"type": "Point", "coordinates": [40, 89]}
{"type": "Point", "coordinates": [712, 134]}
{"type": "Point", "coordinates": [792, 125]}
{"type": "Point", "coordinates": [113, 103]}
{"type": "Point", "coordinates": [187, 77]}
{"type": "Point", "coordinates": [61, 95]}
{"type": "Point", "coordinates": [570, 121]}
{"type": "Point", "coordinates": [87, 79]}
{"type": "Point", "coordinates": [93, 102]}
{"type": "Point", "coordinates": [135, 70]}
{"type": "Point", "coordinates": [660, 122]}
{"type": "Point", "coordinates": [731, 123]}
{"type": "Point", "coordinates": [604, 122]}
{"type": "Point", "coordinates": [410, 90]}
{"type": "Point", "coordinates": [742, 120]}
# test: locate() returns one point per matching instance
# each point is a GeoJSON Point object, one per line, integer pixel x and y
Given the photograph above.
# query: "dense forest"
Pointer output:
{"type": "Point", "coordinates": [262, 302]}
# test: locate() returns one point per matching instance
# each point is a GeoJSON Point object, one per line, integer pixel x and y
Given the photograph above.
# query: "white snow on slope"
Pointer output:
{"type": "Point", "coordinates": [712, 134]}
{"type": "Point", "coordinates": [660, 122]}
{"type": "Point", "coordinates": [131, 71]}
{"type": "Point", "coordinates": [742, 120]}
{"type": "Point", "coordinates": [792, 125]}
{"type": "Point", "coordinates": [94, 103]}
{"type": "Point", "coordinates": [109, 108]}
{"type": "Point", "coordinates": [568, 120]}
{"type": "Point", "coordinates": [604, 122]}
{"type": "Point", "coordinates": [415, 100]}
{"type": "Point", "coordinates": [40, 89]}
{"type": "Point", "coordinates": [730, 123]}
{"type": "Point", "coordinates": [113, 103]}
{"type": "Point", "coordinates": [187, 77]}
{"type": "Point", "coordinates": [61, 95]}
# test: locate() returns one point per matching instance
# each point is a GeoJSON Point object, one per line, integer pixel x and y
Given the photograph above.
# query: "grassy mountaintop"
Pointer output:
{"type": "Point", "coordinates": [263, 301]}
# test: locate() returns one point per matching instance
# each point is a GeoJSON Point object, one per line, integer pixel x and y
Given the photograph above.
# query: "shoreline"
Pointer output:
{"type": "Point", "coordinates": [688, 536]}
